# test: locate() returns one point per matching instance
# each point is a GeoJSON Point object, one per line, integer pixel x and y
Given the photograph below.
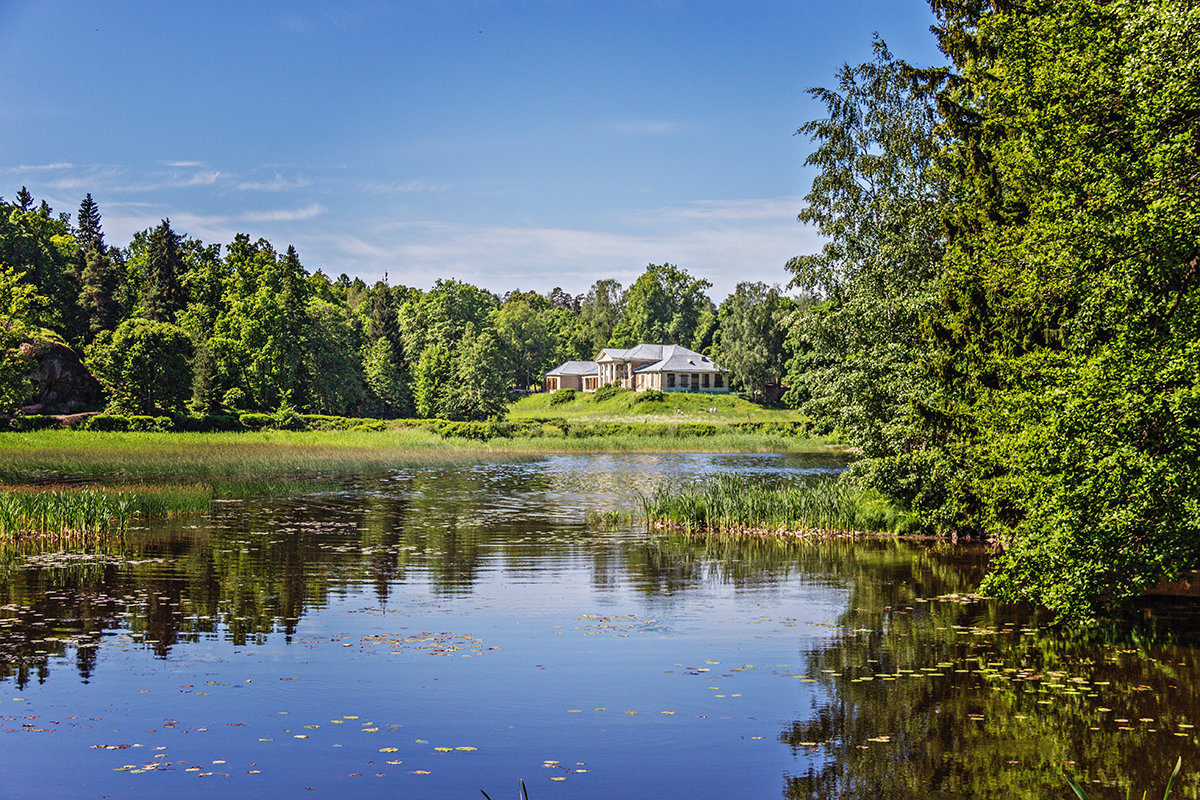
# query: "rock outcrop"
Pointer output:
{"type": "Point", "coordinates": [64, 384]}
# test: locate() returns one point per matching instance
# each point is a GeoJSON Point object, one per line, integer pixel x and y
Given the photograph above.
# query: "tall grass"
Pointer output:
{"type": "Point", "coordinates": [71, 514]}
{"type": "Point", "coordinates": [730, 502]}
{"type": "Point", "coordinates": [57, 456]}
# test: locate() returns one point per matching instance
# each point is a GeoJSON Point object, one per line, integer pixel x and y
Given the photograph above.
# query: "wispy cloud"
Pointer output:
{"type": "Point", "coordinates": [196, 179]}
{"type": "Point", "coordinates": [285, 214]}
{"type": "Point", "coordinates": [414, 186]}
{"type": "Point", "coordinates": [276, 184]}
{"type": "Point", "coordinates": [40, 167]}
{"type": "Point", "coordinates": [645, 127]}
{"type": "Point", "coordinates": [736, 211]}
{"type": "Point", "coordinates": [184, 164]}
{"type": "Point", "coordinates": [725, 242]}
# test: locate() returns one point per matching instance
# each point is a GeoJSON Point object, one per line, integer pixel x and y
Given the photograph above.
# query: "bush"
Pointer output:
{"type": "Point", "coordinates": [372, 425]}
{"type": "Point", "coordinates": [106, 422]}
{"type": "Point", "coordinates": [234, 399]}
{"type": "Point", "coordinates": [608, 391]}
{"type": "Point", "coordinates": [481, 431]}
{"type": "Point", "coordinates": [207, 423]}
{"type": "Point", "coordinates": [562, 396]}
{"type": "Point", "coordinates": [254, 420]}
{"type": "Point", "coordinates": [32, 422]}
{"type": "Point", "coordinates": [146, 424]}
{"type": "Point", "coordinates": [650, 396]}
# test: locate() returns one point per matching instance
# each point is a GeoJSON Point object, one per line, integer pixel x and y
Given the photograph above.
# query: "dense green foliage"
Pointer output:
{"type": "Point", "coordinates": [171, 321]}
{"type": "Point", "coordinates": [1011, 289]}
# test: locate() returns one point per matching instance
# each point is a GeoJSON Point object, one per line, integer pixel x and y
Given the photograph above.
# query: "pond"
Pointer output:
{"type": "Point", "coordinates": [437, 630]}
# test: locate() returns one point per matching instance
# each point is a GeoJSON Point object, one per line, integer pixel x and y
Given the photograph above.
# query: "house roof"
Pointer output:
{"type": "Point", "coordinates": [680, 359]}
{"type": "Point", "coordinates": [575, 368]}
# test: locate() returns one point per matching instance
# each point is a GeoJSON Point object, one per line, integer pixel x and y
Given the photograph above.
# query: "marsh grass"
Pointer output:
{"type": "Point", "coordinates": [65, 456]}
{"type": "Point", "coordinates": [730, 502]}
{"type": "Point", "coordinates": [80, 514]}
{"type": "Point", "coordinates": [611, 519]}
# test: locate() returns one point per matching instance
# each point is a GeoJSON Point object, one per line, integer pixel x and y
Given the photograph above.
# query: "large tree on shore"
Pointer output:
{"type": "Point", "coordinates": [1068, 334]}
{"type": "Point", "coordinates": [860, 351]}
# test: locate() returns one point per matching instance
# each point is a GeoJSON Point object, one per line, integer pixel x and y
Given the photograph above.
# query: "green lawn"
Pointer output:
{"type": "Point", "coordinates": [678, 407]}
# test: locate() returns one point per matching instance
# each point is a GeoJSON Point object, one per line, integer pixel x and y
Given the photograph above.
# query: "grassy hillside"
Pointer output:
{"type": "Point", "coordinates": [629, 406]}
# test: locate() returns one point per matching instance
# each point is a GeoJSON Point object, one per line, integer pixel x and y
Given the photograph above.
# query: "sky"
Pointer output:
{"type": "Point", "coordinates": [512, 144]}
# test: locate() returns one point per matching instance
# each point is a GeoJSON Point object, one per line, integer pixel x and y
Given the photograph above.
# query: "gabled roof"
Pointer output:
{"type": "Point", "coordinates": [660, 358]}
{"type": "Point", "coordinates": [575, 368]}
{"type": "Point", "coordinates": [642, 352]}
{"type": "Point", "coordinates": [680, 359]}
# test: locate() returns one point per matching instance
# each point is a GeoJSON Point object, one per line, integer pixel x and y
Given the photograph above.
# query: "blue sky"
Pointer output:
{"type": "Point", "coordinates": [520, 144]}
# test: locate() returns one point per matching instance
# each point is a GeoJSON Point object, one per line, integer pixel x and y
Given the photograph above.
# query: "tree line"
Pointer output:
{"type": "Point", "coordinates": [171, 323]}
{"type": "Point", "coordinates": [1010, 328]}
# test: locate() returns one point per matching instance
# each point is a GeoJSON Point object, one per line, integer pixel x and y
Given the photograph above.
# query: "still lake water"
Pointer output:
{"type": "Point", "coordinates": [440, 629]}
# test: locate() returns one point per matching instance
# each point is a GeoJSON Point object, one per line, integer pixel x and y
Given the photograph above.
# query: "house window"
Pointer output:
{"type": "Point", "coordinates": [718, 381]}
{"type": "Point", "coordinates": [704, 380]}
{"type": "Point", "coordinates": [670, 380]}
{"type": "Point", "coordinates": [683, 381]}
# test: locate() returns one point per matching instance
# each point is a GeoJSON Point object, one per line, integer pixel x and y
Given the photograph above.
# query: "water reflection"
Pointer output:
{"type": "Point", "coordinates": [899, 683]}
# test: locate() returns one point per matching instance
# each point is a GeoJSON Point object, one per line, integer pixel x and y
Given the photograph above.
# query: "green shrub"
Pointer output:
{"type": "Point", "coordinates": [373, 425]}
{"type": "Point", "coordinates": [32, 422]}
{"type": "Point", "coordinates": [650, 396]}
{"type": "Point", "coordinates": [146, 424]}
{"type": "Point", "coordinates": [234, 399]}
{"type": "Point", "coordinates": [207, 423]}
{"type": "Point", "coordinates": [255, 421]}
{"type": "Point", "coordinates": [608, 391]}
{"type": "Point", "coordinates": [322, 422]}
{"type": "Point", "coordinates": [106, 422]}
{"type": "Point", "coordinates": [481, 431]}
{"type": "Point", "coordinates": [562, 396]}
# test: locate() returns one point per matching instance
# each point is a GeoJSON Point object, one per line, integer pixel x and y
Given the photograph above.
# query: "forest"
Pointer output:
{"type": "Point", "coordinates": [172, 323]}
{"type": "Point", "coordinates": [1003, 319]}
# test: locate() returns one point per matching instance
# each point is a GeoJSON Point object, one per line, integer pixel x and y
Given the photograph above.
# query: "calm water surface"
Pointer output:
{"type": "Point", "coordinates": [437, 630]}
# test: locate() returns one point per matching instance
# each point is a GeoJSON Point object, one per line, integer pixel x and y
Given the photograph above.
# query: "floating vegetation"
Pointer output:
{"type": "Point", "coordinates": [610, 519]}
{"type": "Point", "coordinates": [71, 515]}
{"type": "Point", "coordinates": [730, 502]}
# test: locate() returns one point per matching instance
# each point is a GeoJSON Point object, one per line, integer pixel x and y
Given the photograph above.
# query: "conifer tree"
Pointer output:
{"type": "Point", "coordinates": [163, 295]}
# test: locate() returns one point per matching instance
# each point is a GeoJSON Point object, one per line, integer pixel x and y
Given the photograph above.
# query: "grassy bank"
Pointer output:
{"type": "Point", "coordinates": [57, 456]}
{"type": "Point", "coordinates": [730, 502]}
{"type": "Point", "coordinates": [629, 406]}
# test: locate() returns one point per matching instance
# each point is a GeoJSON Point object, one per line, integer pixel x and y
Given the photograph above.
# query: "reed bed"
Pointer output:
{"type": "Point", "coordinates": [61, 456]}
{"type": "Point", "coordinates": [75, 514]}
{"type": "Point", "coordinates": [730, 502]}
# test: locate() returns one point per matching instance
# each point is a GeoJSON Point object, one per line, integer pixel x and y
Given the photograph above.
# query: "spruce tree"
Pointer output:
{"type": "Point", "coordinates": [163, 294]}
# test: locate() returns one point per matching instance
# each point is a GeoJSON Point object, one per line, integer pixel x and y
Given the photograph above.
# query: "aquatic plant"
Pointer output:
{"type": "Point", "coordinates": [1082, 795]}
{"type": "Point", "coordinates": [68, 514]}
{"type": "Point", "coordinates": [729, 501]}
{"type": "Point", "coordinates": [524, 792]}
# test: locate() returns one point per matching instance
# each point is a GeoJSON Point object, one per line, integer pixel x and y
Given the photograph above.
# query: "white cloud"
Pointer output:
{"type": "Point", "coordinates": [285, 214]}
{"type": "Point", "coordinates": [184, 164]}
{"type": "Point", "coordinates": [276, 184]}
{"type": "Point", "coordinates": [197, 179]}
{"type": "Point", "coordinates": [724, 242]}
{"type": "Point", "coordinates": [414, 186]}
{"type": "Point", "coordinates": [40, 167]}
